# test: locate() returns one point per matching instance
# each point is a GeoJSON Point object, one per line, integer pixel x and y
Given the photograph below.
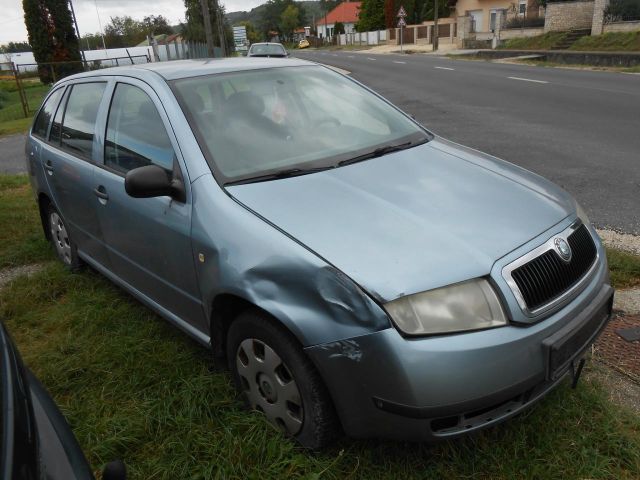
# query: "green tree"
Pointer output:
{"type": "Point", "coordinates": [124, 32]}
{"type": "Point", "coordinates": [271, 16]}
{"type": "Point", "coordinates": [371, 16]}
{"type": "Point", "coordinates": [427, 13]}
{"type": "Point", "coordinates": [338, 28]}
{"type": "Point", "coordinates": [193, 28]}
{"type": "Point", "coordinates": [156, 25]}
{"type": "Point", "coordinates": [15, 47]}
{"type": "Point", "coordinates": [289, 20]}
{"type": "Point", "coordinates": [253, 35]}
{"type": "Point", "coordinates": [52, 37]}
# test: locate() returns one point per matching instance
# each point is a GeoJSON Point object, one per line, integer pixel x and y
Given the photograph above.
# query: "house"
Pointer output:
{"type": "Point", "coordinates": [485, 13]}
{"type": "Point", "coordinates": [301, 33]}
{"type": "Point", "coordinates": [345, 13]}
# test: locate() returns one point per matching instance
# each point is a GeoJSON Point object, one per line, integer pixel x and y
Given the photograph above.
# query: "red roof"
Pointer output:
{"type": "Point", "coordinates": [346, 12]}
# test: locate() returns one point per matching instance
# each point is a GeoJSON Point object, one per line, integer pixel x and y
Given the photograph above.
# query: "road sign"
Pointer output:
{"type": "Point", "coordinates": [402, 23]}
{"type": "Point", "coordinates": [402, 12]}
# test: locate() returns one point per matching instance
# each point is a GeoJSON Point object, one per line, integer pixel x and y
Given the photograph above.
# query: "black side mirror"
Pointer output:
{"type": "Point", "coordinates": [153, 181]}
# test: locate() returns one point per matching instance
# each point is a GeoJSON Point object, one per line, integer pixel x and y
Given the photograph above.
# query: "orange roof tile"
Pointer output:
{"type": "Point", "coordinates": [346, 12]}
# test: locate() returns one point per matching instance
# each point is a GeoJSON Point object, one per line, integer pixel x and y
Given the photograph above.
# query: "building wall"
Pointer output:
{"type": "Point", "coordinates": [621, 27]}
{"type": "Point", "coordinates": [564, 16]}
{"type": "Point", "coordinates": [598, 16]}
{"type": "Point", "coordinates": [348, 28]}
{"type": "Point", "coordinates": [519, 33]}
{"type": "Point", "coordinates": [463, 6]}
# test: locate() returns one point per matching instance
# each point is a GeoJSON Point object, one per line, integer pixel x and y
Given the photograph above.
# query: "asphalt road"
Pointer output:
{"type": "Point", "coordinates": [581, 129]}
{"type": "Point", "coordinates": [12, 154]}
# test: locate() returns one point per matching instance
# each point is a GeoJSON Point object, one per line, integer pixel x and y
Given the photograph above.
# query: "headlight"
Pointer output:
{"type": "Point", "coordinates": [581, 214]}
{"type": "Point", "coordinates": [464, 306]}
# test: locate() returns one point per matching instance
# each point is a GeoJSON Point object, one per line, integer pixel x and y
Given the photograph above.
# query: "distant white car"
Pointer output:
{"type": "Point", "coordinates": [267, 49]}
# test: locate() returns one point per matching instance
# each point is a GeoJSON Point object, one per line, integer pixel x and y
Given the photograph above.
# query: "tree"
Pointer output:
{"type": "Point", "coordinates": [253, 35]}
{"type": "Point", "coordinates": [338, 28]}
{"type": "Point", "coordinates": [124, 32]}
{"type": "Point", "coordinates": [444, 9]}
{"type": "Point", "coordinates": [156, 25]}
{"type": "Point", "coordinates": [52, 37]}
{"type": "Point", "coordinates": [15, 47]}
{"type": "Point", "coordinates": [193, 28]}
{"type": "Point", "coordinates": [289, 20]}
{"type": "Point", "coordinates": [371, 16]}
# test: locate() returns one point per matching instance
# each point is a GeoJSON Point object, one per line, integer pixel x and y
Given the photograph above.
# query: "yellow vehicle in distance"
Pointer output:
{"type": "Point", "coordinates": [304, 43]}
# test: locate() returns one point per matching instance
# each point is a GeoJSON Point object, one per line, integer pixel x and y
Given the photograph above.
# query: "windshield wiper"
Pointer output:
{"type": "Point", "coordinates": [291, 172]}
{"type": "Point", "coordinates": [378, 152]}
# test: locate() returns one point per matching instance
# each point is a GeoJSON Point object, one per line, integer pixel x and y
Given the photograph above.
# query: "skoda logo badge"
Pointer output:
{"type": "Point", "coordinates": [563, 249]}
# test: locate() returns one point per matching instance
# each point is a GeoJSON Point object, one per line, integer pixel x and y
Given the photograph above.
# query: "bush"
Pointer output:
{"type": "Point", "coordinates": [620, 10]}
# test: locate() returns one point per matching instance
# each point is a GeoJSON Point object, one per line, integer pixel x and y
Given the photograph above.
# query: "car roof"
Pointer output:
{"type": "Point", "coordinates": [176, 69]}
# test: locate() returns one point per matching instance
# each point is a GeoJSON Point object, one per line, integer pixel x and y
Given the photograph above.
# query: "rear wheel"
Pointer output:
{"type": "Point", "coordinates": [275, 377]}
{"type": "Point", "coordinates": [61, 240]}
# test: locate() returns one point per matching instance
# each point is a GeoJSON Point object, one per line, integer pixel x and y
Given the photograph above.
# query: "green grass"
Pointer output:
{"type": "Point", "coordinates": [624, 267]}
{"type": "Point", "coordinates": [135, 388]}
{"type": "Point", "coordinates": [12, 119]}
{"type": "Point", "coordinates": [540, 42]}
{"type": "Point", "coordinates": [609, 42]}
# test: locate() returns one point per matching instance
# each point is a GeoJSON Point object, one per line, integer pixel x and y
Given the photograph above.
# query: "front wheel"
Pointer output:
{"type": "Point", "coordinates": [61, 240]}
{"type": "Point", "coordinates": [275, 377]}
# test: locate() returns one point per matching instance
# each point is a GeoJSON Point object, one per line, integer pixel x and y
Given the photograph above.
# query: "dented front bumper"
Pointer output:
{"type": "Point", "coordinates": [388, 386]}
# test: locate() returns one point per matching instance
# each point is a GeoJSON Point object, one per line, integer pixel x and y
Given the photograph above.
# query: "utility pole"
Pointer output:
{"type": "Point", "coordinates": [104, 45]}
{"type": "Point", "coordinates": [435, 25]}
{"type": "Point", "coordinates": [207, 27]}
{"type": "Point", "coordinates": [75, 22]}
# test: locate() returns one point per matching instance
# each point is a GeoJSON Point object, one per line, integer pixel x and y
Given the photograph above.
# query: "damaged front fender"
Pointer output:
{"type": "Point", "coordinates": [248, 258]}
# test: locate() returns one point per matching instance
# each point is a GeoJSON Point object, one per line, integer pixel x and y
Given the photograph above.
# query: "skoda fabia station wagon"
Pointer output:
{"type": "Point", "coordinates": [358, 273]}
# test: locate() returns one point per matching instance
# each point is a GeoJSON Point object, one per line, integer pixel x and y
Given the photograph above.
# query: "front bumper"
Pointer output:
{"type": "Point", "coordinates": [427, 389]}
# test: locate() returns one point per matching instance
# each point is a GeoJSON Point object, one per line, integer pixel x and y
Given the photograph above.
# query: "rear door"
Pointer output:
{"type": "Point", "coordinates": [67, 159]}
{"type": "Point", "coordinates": [148, 239]}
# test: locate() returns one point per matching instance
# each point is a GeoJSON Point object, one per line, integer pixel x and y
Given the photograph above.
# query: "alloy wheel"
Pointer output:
{"type": "Point", "coordinates": [60, 237]}
{"type": "Point", "coordinates": [269, 385]}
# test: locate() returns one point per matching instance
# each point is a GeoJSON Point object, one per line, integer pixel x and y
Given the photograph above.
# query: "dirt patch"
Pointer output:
{"type": "Point", "coordinates": [9, 274]}
{"type": "Point", "coordinates": [621, 389]}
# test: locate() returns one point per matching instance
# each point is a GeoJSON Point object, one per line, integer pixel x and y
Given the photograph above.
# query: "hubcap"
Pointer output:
{"type": "Point", "coordinates": [268, 385]}
{"type": "Point", "coordinates": [60, 237]}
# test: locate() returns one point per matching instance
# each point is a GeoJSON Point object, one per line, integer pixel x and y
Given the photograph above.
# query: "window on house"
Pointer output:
{"type": "Point", "coordinates": [523, 7]}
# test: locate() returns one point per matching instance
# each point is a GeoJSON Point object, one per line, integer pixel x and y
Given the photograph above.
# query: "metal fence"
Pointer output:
{"type": "Point", "coordinates": [520, 17]}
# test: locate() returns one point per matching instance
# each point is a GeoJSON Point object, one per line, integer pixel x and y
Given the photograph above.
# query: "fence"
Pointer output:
{"type": "Point", "coordinates": [530, 17]}
{"type": "Point", "coordinates": [363, 38]}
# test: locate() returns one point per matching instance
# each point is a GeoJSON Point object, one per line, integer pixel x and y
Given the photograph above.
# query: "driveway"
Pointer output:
{"type": "Point", "coordinates": [12, 154]}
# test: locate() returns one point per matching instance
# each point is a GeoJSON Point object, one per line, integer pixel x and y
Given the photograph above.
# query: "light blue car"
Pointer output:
{"type": "Point", "coordinates": [357, 272]}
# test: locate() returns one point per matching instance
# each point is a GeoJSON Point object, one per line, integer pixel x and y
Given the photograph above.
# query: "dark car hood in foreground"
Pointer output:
{"type": "Point", "coordinates": [414, 220]}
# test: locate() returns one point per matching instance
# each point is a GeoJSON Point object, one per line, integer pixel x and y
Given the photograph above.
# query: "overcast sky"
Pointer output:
{"type": "Point", "coordinates": [12, 19]}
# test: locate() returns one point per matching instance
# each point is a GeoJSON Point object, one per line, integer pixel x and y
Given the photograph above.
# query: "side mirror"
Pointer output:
{"type": "Point", "coordinates": [152, 181]}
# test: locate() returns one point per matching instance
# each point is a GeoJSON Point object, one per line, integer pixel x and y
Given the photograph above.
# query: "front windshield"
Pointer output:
{"type": "Point", "coordinates": [267, 49]}
{"type": "Point", "coordinates": [256, 122]}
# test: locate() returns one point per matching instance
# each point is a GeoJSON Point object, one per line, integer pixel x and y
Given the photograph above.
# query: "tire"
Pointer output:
{"type": "Point", "coordinates": [273, 375]}
{"type": "Point", "coordinates": [63, 245]}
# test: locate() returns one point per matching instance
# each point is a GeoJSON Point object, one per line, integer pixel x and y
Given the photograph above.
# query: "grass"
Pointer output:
{"type": "Point", "coordinates": [12, 119]}
{"type": "Point", "coordinates": [135, 388]}
{"type": "Point", "coordinates": [540, 42]}
{"type": "Point", "coordinates": [624, 267]}
{"type": "Point", "coordinates": [609, 42]}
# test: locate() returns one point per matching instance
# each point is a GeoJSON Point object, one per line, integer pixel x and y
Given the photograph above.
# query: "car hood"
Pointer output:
{"type": "Point", "coordinates": [413, 220]}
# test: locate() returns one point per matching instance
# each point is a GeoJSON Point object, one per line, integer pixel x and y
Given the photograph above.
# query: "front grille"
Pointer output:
{"type": "Point", "coordinates": [547, 277]}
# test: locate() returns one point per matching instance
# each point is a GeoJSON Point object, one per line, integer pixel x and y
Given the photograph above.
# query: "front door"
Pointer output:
{"type": "Point", "coordinates": [148, 239]}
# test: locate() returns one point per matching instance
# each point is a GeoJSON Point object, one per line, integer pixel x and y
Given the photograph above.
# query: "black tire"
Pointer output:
{"type": "Point", "coordinates": [315, 416]}
{"type": "Point", "coordinates": [60, 238]}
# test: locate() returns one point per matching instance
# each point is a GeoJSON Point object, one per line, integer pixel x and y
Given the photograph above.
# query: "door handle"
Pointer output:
{"type": "Point", "coordinates": [48, 165]}
{"type": "Point", "coordinates": [101, 193]}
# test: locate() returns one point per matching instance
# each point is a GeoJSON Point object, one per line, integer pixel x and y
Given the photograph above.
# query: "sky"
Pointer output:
{"type": "Point", "coordinates": [12, 18]}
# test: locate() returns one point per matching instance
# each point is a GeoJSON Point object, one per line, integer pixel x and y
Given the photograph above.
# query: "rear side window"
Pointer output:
{"type": "Point", "coordinates": [79, 119]}
{"type": "Point", "coordinates": [136, 135]}
{"type": "Point", "coordinates": [41, 124]}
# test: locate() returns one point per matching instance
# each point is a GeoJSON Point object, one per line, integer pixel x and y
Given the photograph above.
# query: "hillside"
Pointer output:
{"type": "Point", "coordinates": [312, 10]}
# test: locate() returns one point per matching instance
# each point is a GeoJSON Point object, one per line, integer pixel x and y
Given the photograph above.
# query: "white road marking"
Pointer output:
{"type": "Point", "coordinates": [350, 56]}
{"type": "Point", "coordinates": [444, 68]}
{"type": "Point", "coordinates": [527, 80]}
{"type": "Point", "coordinates": [369, 58]}
{"type": "Point", "coordinates": [334, 55]}
{"type": "Point", "coordinates": [396, 61]}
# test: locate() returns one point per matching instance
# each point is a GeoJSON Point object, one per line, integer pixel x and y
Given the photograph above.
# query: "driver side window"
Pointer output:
{"type": "Point", "coordinates": [136, 135]}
